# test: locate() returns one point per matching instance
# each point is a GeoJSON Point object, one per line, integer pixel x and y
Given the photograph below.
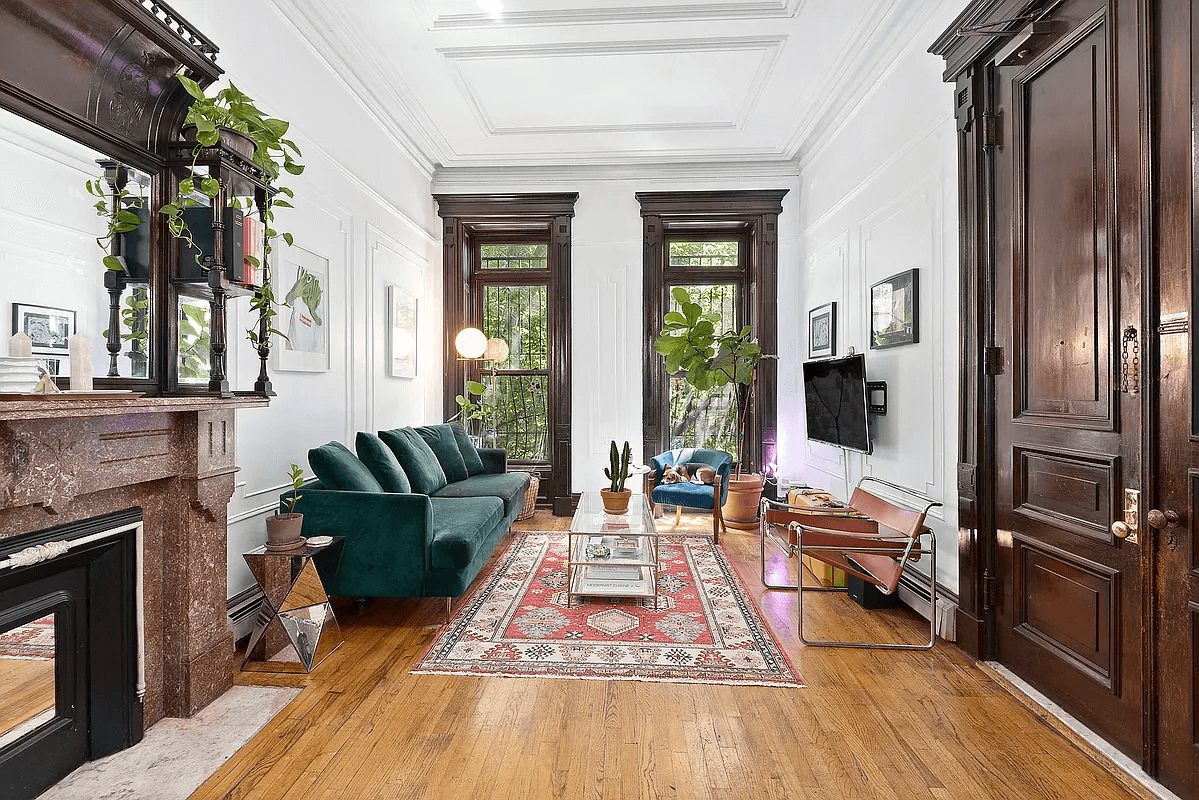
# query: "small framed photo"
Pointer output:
{"type": "Point", "coordinates": [50, 328]}
{"type": "Point", "coordinates": [401, 341]}
{"type": "Point", "coordinates": [822, 331]}
{"type": "Point", "coordinates": [895, 310]}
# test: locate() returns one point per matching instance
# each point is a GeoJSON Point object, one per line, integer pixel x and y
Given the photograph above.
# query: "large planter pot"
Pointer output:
{"type": "Point", "coordinates": [616, 502]}
{"type": "Point", "coordinates": [741, 507]}
{"type": "Point", "coordinates": [237, 142]}
{"type": "Point", "coordinates": [283, 531]}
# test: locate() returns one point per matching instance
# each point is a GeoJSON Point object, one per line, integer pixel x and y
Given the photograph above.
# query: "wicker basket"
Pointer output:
{"type": "Point", "coordinates": [530, 499]}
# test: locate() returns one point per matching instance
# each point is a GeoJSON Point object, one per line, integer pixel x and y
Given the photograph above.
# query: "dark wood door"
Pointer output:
{"type": "Point", "coordinates": [1067, 263]}
{"type": "Point", "coordinates": [1169, 532]}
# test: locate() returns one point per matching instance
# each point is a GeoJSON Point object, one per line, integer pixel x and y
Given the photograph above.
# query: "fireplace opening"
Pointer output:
{"type": "Point", "coordinates": [71, 680]}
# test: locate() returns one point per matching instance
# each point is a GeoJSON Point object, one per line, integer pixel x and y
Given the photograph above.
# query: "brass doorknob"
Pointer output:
{"type": "Point", "coordinates": [1120, 529]}
{"type": "Point", "coordinates": [1161, 519]}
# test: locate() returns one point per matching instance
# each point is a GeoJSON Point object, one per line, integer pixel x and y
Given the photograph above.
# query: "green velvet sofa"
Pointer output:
{"type": "Point", "coordinates": [421, 509]}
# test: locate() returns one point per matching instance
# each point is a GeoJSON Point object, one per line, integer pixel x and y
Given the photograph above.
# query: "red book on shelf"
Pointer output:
{"type": "Point", "coordinates": [253, 247]}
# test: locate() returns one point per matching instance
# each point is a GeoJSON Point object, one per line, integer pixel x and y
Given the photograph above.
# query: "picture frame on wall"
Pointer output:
{"type": "Point", "coordinates": [822, 331]}
{"type": "Point", "coordinates": [302, 281]}
{"type": "Point", "coordinates": [401, 336]}
{"type": "Point", "coordinates": [895, 310]}
{"type": "Point", "coordinates": [50, 328]}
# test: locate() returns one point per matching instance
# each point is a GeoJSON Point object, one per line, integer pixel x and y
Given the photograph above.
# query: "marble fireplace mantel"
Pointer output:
{"type": "Point", "coordinates": [68, 460]}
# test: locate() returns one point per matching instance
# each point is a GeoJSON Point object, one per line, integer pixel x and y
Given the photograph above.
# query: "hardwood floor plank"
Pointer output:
{"type": "Point", "coordinates": [871, 724]}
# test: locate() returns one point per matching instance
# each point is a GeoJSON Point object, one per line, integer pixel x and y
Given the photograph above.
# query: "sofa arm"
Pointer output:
{"type": "Point", "coordinates": [388, 539]}
{"type": "Point", "coordinates": [495, 460]}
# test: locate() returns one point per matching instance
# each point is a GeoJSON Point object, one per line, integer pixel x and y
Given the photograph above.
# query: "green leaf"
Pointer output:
{"type": "Point", "coordinates": [210, 186]}
{"type": "Point", "coordinates": [675, 318]}
{"type": "Point", "coordinates": [187, 186]}
{"type": "Point", "coordinates": [666, 345]}
{"type": "Point", "coordinates": [474, 387]}
{"type": "Point", "coordinates": [130, 217]}
{"type": "Point", "coordinates": [287, 237]}
{"type": "Point", "coordinates": [294, 168]}
{"type": "Point", "coordinates": [208, 138]}
{"type": "Point", "coordinates": [191, 86]}
{"type": "Point", "coordinates": [114, 263]}
{"type": "Point", "coordinates": [169, 208]}
{"type": "Point", "coordinates": [282, 204]}
{"type": "Point", "coordinates": [680, 295]}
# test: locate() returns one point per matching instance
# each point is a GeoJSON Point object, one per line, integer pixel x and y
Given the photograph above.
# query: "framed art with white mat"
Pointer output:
{"type": "Point", "coordinates": [822, 331]}
{"type": "Point", "coordinates": [302, 281]}
{"type": "Point", "coordinates": [401, 333]}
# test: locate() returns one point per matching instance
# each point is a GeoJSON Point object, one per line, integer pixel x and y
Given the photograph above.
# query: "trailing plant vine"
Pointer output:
{"type": "Point", "coordinates": [120, 218]}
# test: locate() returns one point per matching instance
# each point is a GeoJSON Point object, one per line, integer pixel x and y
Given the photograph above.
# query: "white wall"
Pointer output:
{"type": "Point", "coordinates": [608, 318]}
{"type": "Point", "coordinates": [880, 198]}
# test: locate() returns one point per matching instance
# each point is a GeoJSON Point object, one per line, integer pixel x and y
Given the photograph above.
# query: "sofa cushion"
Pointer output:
{"type": "Point", "coordinates": [337, 468]}
{"type": "Point", "coordinates": [420, 465]}
{"type": "Point", "coordinates": [442, 442]}
{"type": "Point", "coordinates": [460, 528]}
{"type": "Point", "coordinates": [470, 453]}
{"type": "Point", "coordinates": [689, 495]}
{"type": "Point", "coordinates": [382, 463]}
{"type": "Point", "coordinates": [509, 487]}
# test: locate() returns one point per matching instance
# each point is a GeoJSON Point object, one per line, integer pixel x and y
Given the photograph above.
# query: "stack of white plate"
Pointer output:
{"type": "Point", "coordinates": [18, 374]}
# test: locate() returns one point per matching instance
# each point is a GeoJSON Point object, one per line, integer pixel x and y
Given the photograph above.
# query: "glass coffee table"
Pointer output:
{"type": "Point", "coordinates": [612, 555]}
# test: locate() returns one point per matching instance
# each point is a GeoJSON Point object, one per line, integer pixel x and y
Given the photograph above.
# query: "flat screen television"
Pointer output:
{"type": "Point", "coordinates": [835, 401]}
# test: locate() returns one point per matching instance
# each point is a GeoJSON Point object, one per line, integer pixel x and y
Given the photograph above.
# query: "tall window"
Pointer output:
{"type": "Point", "coordinates": [513, 288]}
{"type": "Point", "coordinates": [713, 274]}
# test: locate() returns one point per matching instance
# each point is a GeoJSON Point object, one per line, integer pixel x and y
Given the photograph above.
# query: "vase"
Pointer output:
{"type": "Point", "coordinates": [616, 502]}
{"type": "Point", "coordinates": [283, 530]}
{"type": "Point", "coordinates": [741, 506]}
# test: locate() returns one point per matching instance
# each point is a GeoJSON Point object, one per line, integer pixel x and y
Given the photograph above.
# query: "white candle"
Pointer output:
{"type": "Point", "coordinates": [20, 346]}
{"type": "Point", "coordinates": [81, 363]}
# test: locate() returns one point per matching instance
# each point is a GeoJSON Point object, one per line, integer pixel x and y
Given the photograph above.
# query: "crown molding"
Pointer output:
{"type": "Point", "coordinates": [873, 51]}
{"type": "Point", "coordinates": [770, 46]}
{"type": "Point", "coordinates": [452, 178]}
{"type": "Point", "coordinates": [323, 27]}
{"type": "Point", "coordinates": [612, 15]}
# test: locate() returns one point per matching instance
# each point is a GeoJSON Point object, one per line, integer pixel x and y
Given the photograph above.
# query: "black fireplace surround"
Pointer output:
{"type": "Point", "coordinates": [92, 589]}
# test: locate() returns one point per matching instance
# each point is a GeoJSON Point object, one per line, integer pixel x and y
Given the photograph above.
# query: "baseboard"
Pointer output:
{"type": "Point", "coordinates": [1130, 775]}
{"type": "Point", "coordinates": [243, 610]}
{"type": "Point", "coordinates": [915, 591]}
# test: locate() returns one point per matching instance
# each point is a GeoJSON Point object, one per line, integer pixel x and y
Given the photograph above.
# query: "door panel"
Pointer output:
{"type": "Point", "coordinates": [1067, 442]}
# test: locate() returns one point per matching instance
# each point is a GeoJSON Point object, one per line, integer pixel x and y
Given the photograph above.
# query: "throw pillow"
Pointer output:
{"type": "Point", "coordinates": [337, 468]}
{"type": "Point", "coordinates": [442, 442]}
{"type": "Point", "coordinates": [420, 465]}
{"type": "Point", "coordinates": [470, 453]}
{"type": "Point", "coordinates": [382, 463]}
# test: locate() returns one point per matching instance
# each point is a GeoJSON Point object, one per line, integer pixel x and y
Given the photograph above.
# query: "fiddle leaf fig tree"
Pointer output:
{"type": "Point", "coordinates": [706, 358]}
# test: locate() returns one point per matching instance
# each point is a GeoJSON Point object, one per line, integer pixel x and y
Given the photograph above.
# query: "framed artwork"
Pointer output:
{"type": "Point", "coordinates": [822, 331]}
{"type": "Point", "coordinates": [303, 283]}
{"type": "Point", "coordinates": [401, 336]}
{"type": "Point", "coordinates": [895, 310]}
{"type": "Point", "coordinates": [50, 328]}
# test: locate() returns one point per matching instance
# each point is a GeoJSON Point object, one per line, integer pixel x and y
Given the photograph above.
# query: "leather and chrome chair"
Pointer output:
{"type": "Point", "coordinates": [872, 538]}
{"type": "Point", "coordinates": [691, 495]}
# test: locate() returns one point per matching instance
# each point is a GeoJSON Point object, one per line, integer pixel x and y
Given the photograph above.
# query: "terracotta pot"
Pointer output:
{"type": "Point", "coordinates": [284, 529]}
{"type": "Point", "coordinates": [237, 142]}
{"type": "Point", "coordinates": [616, 502]}
{"type": "Point", "coordinates": [741, 506]}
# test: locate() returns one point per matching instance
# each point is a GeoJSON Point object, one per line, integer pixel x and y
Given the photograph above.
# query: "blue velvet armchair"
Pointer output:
{"type": "Point", "coordinates": [691, 495]}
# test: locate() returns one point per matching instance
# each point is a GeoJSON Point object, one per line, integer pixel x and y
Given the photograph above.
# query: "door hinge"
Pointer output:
{"type": "Point", "coordinates": [990, 591]}
{"type": "Point", "coordinates": [992, 135]}
{"type": "Point", "coordinates": [993, 361]}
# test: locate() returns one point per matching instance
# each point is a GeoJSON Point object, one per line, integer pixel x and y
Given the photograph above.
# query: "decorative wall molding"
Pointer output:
{"type": "Point", "coordinates": [397, 112]}
{"type": "Point", "coordinates": [608, 15]}
{"type": "Point", "coordinates": [609, 305]}
{"type": "Point", "coordinates": [769, 46]}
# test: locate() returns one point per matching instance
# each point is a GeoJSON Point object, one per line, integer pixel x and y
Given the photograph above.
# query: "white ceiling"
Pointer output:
{"type": "Point", "coordinates": [590, 83]}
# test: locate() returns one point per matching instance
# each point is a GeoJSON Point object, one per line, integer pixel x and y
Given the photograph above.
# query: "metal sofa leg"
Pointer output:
{"type": "Point", "coordinates": [363, 603]}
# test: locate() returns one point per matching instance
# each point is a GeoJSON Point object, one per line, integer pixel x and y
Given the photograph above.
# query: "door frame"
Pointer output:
{"type": "Point", "coordinates": [968, 60]}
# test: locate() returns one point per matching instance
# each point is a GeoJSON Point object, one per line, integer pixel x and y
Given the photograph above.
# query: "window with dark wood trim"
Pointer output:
{"type": "Point", "coordinates": [477, 234]}
{"type": "Point", "coordinates": [750, 217]}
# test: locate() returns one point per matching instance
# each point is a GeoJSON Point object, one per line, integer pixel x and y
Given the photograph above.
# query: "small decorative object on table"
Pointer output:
{"type": "Point", "coordinates": [616, 498]}
{"type": "Point", "coordinates": [81, 363]}
{"type": "Point", "coordinates": [283, 530]}
{"type": "Point", "coordinates": [597, 549]}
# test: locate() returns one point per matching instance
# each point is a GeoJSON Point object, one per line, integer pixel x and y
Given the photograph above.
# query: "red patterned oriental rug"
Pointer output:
{"type": "Point", "coordinates": [706, 628]}
{"type": "Point", "coordinates": [33, 641]}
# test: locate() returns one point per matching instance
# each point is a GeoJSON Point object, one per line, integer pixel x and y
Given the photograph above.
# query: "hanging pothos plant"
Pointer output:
{"type": "Point", "coordinates": [119, 216]}
{"type": "Point", "coordinates": [230, 109]}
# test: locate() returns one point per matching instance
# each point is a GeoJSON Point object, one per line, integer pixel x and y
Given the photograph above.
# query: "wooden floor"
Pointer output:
{"type": "Point", "coordinates": [871, 724]}
{"type": "Point", "coordinates": [26, 690]}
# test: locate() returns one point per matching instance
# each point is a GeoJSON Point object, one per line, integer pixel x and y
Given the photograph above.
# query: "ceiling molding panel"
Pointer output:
{"type": "Point", "coordinates": [611, 15]}
{"type": "Point", "coordinates": [618, 70]}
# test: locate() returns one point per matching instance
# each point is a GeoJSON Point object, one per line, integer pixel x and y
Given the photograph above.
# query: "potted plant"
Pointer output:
{"type": "Point", "coordinates": [470, 410]}
{"type": "Point", "coordinates": [707, 360]}
{"type": "Point", "coordinates": [230, 116]}
{"type": "Point", "coordinates": [283, 530]}
{"type": "Point", "coordinates": [616, 498]}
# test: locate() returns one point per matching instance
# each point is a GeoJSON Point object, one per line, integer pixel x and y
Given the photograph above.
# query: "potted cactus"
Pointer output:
{"type": "Point", "coordinates": [283, 530]}
{"type": "Point", "coordinates": [616, 498]}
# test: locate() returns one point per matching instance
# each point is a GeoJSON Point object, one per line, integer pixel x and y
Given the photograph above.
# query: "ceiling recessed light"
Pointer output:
{"type": "Point", "coordinates": [493, 7]}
